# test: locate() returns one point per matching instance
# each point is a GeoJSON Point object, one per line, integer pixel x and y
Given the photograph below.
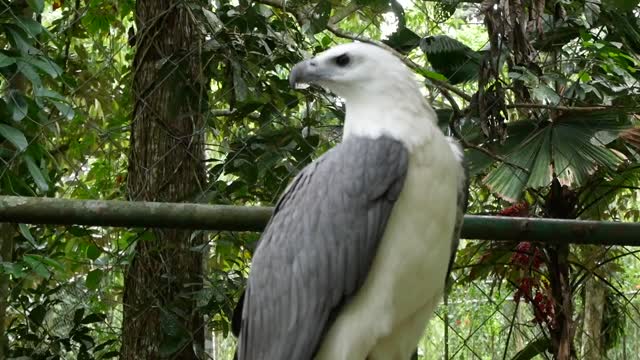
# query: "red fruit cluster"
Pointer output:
{"type": "Point", "coordinates": [519, 210]}
{"type": "Point", "coordinates": [544, 310]}
{"type": "Point", "coordinates": [525, 256]}
{"type": "Point", "coordinates": [543, 304]}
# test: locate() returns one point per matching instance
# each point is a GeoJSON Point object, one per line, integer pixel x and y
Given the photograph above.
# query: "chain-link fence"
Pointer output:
{"type": "Point", "coordinates": [188, 101]}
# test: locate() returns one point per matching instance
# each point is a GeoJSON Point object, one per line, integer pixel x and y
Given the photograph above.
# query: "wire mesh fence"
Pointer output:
{"type": "Point", "coordinates": [189, 101]}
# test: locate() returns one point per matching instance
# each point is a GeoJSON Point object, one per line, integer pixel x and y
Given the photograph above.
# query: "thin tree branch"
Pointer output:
{"type": "Point", "coordinates": [334, 29]}
{"type": "Point", "coordinates": [344, 12]}
{"type": "Point", "coordinates": [457, 114]}
{"type": "Point", "coordinates": [410, 63]}
{"type": "Point", "coordinates": [567, 108]}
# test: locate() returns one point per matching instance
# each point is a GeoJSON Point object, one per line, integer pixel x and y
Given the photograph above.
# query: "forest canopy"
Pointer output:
{"type": "Point", "coordinates": [188, 101]}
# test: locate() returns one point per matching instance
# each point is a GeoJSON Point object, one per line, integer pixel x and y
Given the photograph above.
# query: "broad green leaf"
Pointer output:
{"type": "Point", "coordinates": [544, 93]}
{"type": "Point", "coordinates": [320, 17]}
{"type": "Point", "coordinates": [30, 73]}
{"type": "Point", "coordinates": [403, 40]}
{"type": "Point", "coordinates": [46, 65]}
{"type": "Point", "coordinates": [14, 136]}
{"type": "Point", "coordinates": [77, 316]}
{"type": "Point", "coordinates": [44, 92]}
{"type": "Point", "coordinates": [508, 179]}
{"type": "Point", "coordinates": [94, 277]}
{"type": "Point", "coordinates": [14, 269]}
{"type": "Point", "coordinates": [18, 40]}
{"type": "Point", "coordinates": [37, 315]}
{"type": "Point", "coordinates": [533, 349]}
{"type": "Point", "coordinates": [36, 174]}
{"type": "Point", "coordinates": [450, 57]}
{"type": "Point", "coordinates": [36, 5]}
{"type": "Point", "coordinates": [541, 168]}
{"type": "Point", "coordinates": [65, 109]}
{"type": "Point", "coordinates": [623, 5]}
{"type": "Point", "coordinates": [93, 318]}
{"type": "Point", "coordinates": [49, 262]}
{"type": "Point", "coordinates": [26, 233]}
{"type": "Point", "coordinates": [572, 142]}
{"type": "Point", "coordinates": [93, 252]}
{"type": "Point", "coordinates": [31, 28]}
{"type": "Point", "coordinates": [6, 60]}
{"type": "Point", "coordinates": [37, 266]}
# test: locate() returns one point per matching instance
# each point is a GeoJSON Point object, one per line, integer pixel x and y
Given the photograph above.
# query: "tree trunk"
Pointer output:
{"type": "Point", "coordinates": [17, 81]}
{"type": "Point", "coordinates": [595, 292]}
{"type": "Point", "coordinates": [6, 252]}
{"type": "Point", "coordinates": [161, 318]}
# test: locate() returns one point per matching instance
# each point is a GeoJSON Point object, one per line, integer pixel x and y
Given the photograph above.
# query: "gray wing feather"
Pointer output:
{"type": "Point", "coordinates": [318, 247]}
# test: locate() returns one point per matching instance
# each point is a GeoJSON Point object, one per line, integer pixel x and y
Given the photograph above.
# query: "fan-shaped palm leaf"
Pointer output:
{"type": "Point", "coordinates": [574, 144]}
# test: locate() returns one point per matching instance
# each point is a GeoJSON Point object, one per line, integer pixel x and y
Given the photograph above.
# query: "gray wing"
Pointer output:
{"type": "Point", "coordinates": [463, 198]}
{"type": "Point", "coordinates": [318, 247]}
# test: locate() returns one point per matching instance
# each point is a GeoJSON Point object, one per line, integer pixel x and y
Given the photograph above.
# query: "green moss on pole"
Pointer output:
{"type": "Point", "coordinates": [115, 213]}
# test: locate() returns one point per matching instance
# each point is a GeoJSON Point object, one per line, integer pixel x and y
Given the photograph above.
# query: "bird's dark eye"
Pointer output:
{"type": "Point", "coordinates": [342, 60]}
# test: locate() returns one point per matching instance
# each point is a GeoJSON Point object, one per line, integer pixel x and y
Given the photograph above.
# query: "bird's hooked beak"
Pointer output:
{"type": "Point", "coordinates": [305, 73]}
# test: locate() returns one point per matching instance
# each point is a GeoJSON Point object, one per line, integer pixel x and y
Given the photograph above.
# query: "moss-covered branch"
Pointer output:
{"type": "Point", "coordinates": [31, 210]}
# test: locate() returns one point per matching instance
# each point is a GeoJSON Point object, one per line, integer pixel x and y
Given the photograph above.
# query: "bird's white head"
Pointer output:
{"type": "Point", "coordinates": [381, 93]}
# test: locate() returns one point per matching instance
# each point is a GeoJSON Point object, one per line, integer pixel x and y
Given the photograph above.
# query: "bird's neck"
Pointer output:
{"type": "Point", "coordinates": [402, 115]}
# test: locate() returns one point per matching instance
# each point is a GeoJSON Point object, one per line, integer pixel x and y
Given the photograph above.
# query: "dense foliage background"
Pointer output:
{"type": "Point", "coordinates": [188, 101]}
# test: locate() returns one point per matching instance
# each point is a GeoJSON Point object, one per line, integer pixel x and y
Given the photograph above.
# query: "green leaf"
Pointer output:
{"type": "Point", "coordinates": [17, 105]}
{"type": "Point", "coordinates": [574, 143]}
{"type": "Point", "coordinates": [49, 262]}
{"type": "Point", "coordinates": [93, 252]}
{"type": "Point", "coordinates": [94, 277]}
{"type": "Point", "coordinates": [36, 174]}
{"type": "Point", "coordinates": [320, 17]}
{"type": "Point", "coordinates": [623, 5]}
{"type": "Point", "coordinates": [94, 318]}
{"type": "Point", "coordinates": [450, 57]}
{"type": "Point", "coordinates": [6, 60]}
{"type": "Point", "coordinates": [31, 27]}
{"type": "Point", "coordinates": [36, 5]}
{"type": "Point", "coordinates": [544, 93]}
{"type": "Point", "coordinates": [65, 109]}
{"type": "Point", "coordinates": [77, 316]}
{"type": "Point", "coordinates": [30, 73]}
{"type": "Point", "coordinates": [15, 35]}
{"type": "Point", "coordinates": [26, 233]}
{"type": "Point", "coordinates": [36, 265]}
{"type": "Point", "coordinates": [432, 75]}
{"type": "Point", "coordinates": [44, 92]}
{"type": "Point", "coordinates": [533, 349]}
{"type": "Point", "coordinates": [46, 65]}
{"type": "Point", "coordinates": [37, 315]}
{"type": "Point", "coordinates": [403, 40]}
{"type": "Point", "coordinates": [14, 136]}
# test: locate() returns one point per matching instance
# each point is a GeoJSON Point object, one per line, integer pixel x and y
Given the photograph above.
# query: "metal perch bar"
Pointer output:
{"type": "Point", "coordinates": [116, 213]}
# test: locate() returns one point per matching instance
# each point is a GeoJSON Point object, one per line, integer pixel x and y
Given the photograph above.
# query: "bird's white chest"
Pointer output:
{"type": "Point", "coordinates": [412, 260]}
{"type": "Point", "coordinates": [407, 277]}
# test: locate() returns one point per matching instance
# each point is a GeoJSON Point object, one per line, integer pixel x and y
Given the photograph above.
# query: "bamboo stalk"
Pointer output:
{"type": "Point", "coordinates": [116, 213]}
